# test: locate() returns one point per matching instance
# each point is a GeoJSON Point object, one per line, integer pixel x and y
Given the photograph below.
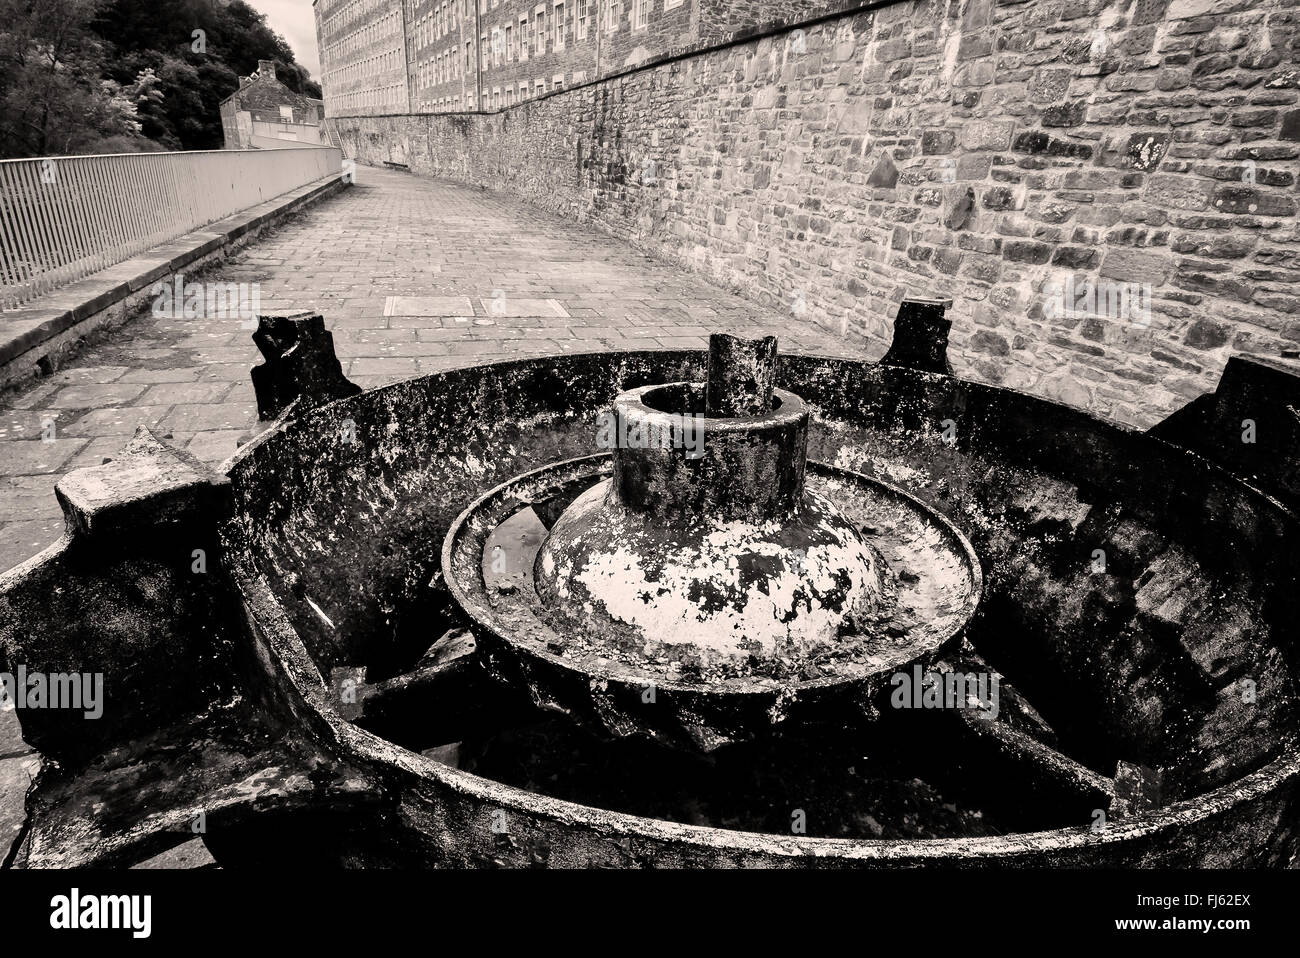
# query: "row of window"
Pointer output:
{"type": "Point", "coordinates": [440, 21]}
{"type": "Point", "coordinates": [614, 7]}
{"type": "Point", "coordinates": [369, 67]}
{"type": "Point", "coordinates": [386, 96]}
{"type": "Point", "coordinates": [444, 18]}
{"type": "Point", "coordinates": [440, 69]}
{"type": "Point", "coordinates": [445, 66]}
{"type": "Point", "coordinates": [536, 30]}
{"type": "Point", "coordinates": [350, 11]}
{"type": "Point", "coordinates": [362, 38]}
{"type": "Point", "coordinates": [534, 33]}
{"type": "Point", "coordinates": [552, 21]}
{"type": "Point", "coordinates": [498, 97]}
{"type": "Point", "coordinates": [445, 104]}
{"type": "Point", "coordinates": [503, 43]}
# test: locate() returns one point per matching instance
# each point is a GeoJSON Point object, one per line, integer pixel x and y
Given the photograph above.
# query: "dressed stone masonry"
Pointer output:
{"type": "Point", "coordinates": [1105, 190]}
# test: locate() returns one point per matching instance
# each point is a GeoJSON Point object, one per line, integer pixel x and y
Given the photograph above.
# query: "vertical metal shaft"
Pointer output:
{"type": "Point", "coordinates": [742, 373]}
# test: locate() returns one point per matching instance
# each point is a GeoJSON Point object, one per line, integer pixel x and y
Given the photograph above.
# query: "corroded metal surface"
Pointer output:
{"type": "Point", "coordinates": [331, 547]}
{"type": "Point", "coordinates": [741, 376]}
{"type": "Point", "coordinates": [1012, 479]}
{"type": "Point", "coordinates": [712, 558]}
{"type": "Point", "coordinates": [299, 364]}
{"type": "Point", "coordinates": [673, 464]}
{"type": "Point", "coordinates": [703, 697]}
{"type": "Point", "coordinates": [921, 337]}
{"type": "Point", "coordinates": [1250, 425]}
{"type": "Point", "coordinates": [703, 576]}
{"type": "Point", "coordinates": [713, 597]}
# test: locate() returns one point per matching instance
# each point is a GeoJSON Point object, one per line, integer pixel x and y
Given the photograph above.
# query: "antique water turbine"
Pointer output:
{"type": "Point", "coordinates": [666, 608]}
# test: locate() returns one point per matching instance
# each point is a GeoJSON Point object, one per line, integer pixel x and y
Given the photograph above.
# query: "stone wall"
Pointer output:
{"type": "Point", "coordinates": [1106, 189]}
{"type": "Point", "coordinates": [623, 46]}
{"type": "Point", "coordinates": [721, 17]}
{"type": "Point", "coordinates": [463, 57]}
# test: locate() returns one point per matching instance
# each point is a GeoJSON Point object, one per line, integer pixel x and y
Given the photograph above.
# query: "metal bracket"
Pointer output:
{"type": "Point", "coordinates": [1250, 425]}
{"type": "Point", "coordinates": [921, 337]}
{"type": "Point", "coordinates": [300, 364]}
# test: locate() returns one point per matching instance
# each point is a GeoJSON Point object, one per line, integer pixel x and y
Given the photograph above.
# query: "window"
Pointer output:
{"type": "Point", "coordinates": [286, 113]}
{"type": "Point", "coordinates": [584, 9]}
{"type": "Point", "coordinates": [612, 10]}
{"type": "Point", "coordinates": [510, 45]}
{"type": "Point", "coordinates": [557, 20]}
{"type": "Point", "coordinates": [540, 17]}
{"type": "Point", "coordinates": [539, 88]}
{"type": "Point", "coordinates": [641, 14]}
{"type": "Point", "coordinates": [523, 38]}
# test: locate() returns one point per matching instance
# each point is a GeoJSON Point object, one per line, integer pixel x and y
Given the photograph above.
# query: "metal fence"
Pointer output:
{"type": "Point", "coordinates": [63, 218]}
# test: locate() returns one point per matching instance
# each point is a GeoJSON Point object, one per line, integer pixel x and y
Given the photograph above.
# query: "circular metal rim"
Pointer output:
{"type": "Point", "coordinates": [788, 413]}
{"type": "Point", "coordinates": [300, 669]}
{"type": "Point", "coordinates": [471, 608]}
{"type": "Point", "coordinates": [290, 660]}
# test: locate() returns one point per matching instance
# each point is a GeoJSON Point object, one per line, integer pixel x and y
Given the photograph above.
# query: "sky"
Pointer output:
{"type": "Point", "coordinates": [293, 20]}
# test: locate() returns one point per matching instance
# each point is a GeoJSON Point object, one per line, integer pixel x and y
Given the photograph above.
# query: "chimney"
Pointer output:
{"type": "Point", "coordinates": [266, 68]}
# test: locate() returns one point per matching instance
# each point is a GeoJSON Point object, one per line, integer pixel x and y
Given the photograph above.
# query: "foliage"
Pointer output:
{"type": "Point", "coordinates": [75, 74]}
{"type": "Point", "coordinates": [53, 95]}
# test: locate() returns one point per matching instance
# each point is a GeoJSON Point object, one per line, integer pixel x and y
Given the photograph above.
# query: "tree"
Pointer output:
{"type": "Point", "coordinates": [81, 76]}
{"type": "Point", "coordinates": [199, 50]}
{"type": "Point", "coordinates": [54, 97]}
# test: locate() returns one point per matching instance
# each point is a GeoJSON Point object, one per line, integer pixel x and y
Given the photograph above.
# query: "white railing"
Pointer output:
{"type": "Point", "coordinates": [65, 217]}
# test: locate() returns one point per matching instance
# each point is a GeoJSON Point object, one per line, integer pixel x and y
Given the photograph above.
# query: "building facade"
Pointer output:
{"type": "Point", "coordinates": [264, 114]}
{"type": "Point", "coordinates": [455, 56]}
{"type": "Point", "coordinates": [363, 56]}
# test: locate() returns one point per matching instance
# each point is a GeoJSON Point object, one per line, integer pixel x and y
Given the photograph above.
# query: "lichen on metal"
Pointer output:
{"type": "Point", "coordinates": [300, 364]}
{"type": "Point", "coordinates": [401, 682]}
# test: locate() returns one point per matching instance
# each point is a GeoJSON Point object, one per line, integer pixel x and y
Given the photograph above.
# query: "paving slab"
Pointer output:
{"type": "Point", "coordinates": [522, 306]}
{"type": "Point", "coordinates": [412, 275]}
{"type": "Point", "coordinates": [428, 306]}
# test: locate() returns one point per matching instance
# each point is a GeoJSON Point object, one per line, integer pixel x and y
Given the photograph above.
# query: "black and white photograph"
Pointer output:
{"type": "Point", "coordinates": [678, 456]}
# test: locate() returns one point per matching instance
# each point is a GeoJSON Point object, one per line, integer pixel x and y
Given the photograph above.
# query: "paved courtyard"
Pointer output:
{"type": "Point", "coordinates": [413, 276]}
